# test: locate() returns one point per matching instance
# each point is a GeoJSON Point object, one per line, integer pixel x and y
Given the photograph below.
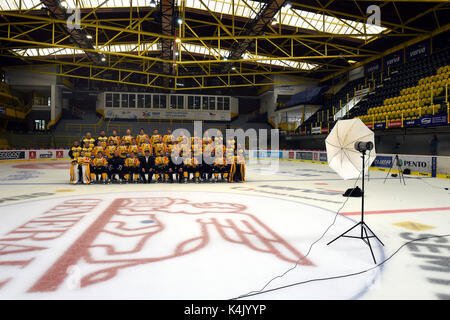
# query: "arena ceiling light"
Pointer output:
{"type": "Point", "coordinates": [287, 15]}
{"type": "Point", "coordinates": [280, 62]}
{"type": "Point", "coordinates": [43, 52]}
{"type": "Point", "coordinates": [187, 47]}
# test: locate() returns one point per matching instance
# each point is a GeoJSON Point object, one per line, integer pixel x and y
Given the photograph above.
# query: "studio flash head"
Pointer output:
{"type": "Point", "coordinates": [363, 146]}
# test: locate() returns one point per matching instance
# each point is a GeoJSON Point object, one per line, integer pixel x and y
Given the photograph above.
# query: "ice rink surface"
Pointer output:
{"type": "Point", "coordinates": [221, 240]}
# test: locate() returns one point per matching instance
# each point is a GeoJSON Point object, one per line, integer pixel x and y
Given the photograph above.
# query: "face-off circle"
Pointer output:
{"type": "Point", "coordinates": [175, 245]}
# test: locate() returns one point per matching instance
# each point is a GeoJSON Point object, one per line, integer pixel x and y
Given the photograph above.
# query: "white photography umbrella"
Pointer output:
{"type": "Point", "coordinates": [341, 153]}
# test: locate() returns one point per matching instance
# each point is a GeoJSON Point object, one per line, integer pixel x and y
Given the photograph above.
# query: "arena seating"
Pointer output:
{"type": "Point", "coordinates": [413, 102]}
{"type": "Point", "coordinates": [412, 89]}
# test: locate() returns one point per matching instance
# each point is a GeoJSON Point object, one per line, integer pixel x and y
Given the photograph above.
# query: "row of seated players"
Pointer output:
{"type": "Point", "coordinates": [139, 163]}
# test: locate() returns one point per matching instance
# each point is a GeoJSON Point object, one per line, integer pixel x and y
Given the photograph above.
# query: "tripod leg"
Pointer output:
{"type": "Point", "coordinates": [402, 177]}
{"type": "Point", "coordinates": [366, 226]}
{"type": "Point", "coordinates": [389, 171]}
{"type": "Point", "coordinates": [399, 173]}
{"type": "Point", "coordinates": [344, 233]}
{"type": "Point", "coordinates": [370, 247]}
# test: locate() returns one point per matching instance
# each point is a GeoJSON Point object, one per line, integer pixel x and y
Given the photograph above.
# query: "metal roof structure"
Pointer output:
{"type": "Point", "coordinates": [183, 45]}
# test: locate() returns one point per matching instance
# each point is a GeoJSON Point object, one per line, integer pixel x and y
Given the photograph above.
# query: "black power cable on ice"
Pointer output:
{"type": "Point", "coordinates": [254, 293]}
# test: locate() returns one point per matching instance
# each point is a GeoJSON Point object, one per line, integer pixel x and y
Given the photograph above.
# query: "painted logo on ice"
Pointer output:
{"type": "Point", "coordinates": [131, 243]}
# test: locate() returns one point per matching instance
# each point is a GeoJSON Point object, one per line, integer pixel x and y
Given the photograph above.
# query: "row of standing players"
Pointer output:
{"type": "Point", "coordinates": [126, 159]}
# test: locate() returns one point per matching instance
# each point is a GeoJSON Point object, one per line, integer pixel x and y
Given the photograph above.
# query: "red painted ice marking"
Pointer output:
{"type": "Point", "coordinates": [2, 283]}
{"type": "Point", "coordinates": [35, 235]}
{"type": "Point", "coordinates": [43, 166]}
{"type": "Point", "coordinates": [20, 263]}
{"type": "Point", "coordinates": [15, 248]}
{"type": "Point", "coordinates": [50, 226]}
{"type": "Point", "coordinates": [120, 220]}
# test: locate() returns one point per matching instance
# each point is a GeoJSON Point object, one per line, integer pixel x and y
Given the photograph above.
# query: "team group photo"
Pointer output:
{"type": "Point", "coordinates": [155, 159]}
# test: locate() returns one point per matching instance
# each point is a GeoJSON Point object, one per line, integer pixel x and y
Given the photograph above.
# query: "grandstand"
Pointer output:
{"type": "Point", "coordinates": [282, 72]}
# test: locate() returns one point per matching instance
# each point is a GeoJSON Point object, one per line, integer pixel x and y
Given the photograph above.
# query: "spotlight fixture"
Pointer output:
{"type": "Point", "coordinates": [103, 59]}
{"type": "Point", "coordinates": [233, 68]}
{"type": "Point", "coordinates": [152, 4]}
{"type": "Point", "coordinates": [180, 21]}
{"type": "Point", "coordinates": [88, 36]}
{"type": "Point", "coordinates": [177, 40]}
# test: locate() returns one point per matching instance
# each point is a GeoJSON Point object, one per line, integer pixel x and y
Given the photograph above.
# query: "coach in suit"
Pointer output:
{"type": "Point", "coordinates": [147, 166]}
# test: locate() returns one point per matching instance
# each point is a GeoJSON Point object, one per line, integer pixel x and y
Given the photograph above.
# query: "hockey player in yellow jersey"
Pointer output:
{"type": "Point", "coordinates": [161, 167]}
{"type": "Point", "coordinates": [141, 137]}
{"type": "Point", "coordinates": [127, 137]}
{"type": "Point", "coordinates": [156, 137]}
{"type": "Point", "coordinates": [88, 140]}
{"type": "Point", "coordinates": [98, 148]}
{"type": "Point", "coordinates": [145, 145]}
{"type": "Point", "coordinates": [187, 169]}
{"type": "Point", "coordinates": [102, 138]}
{"type": "Point", "coordinates": [207, 139]}
{"type": "Point", "coordinates": [75, 150]}
{"type": "Point", "coordinates": [74, 154]}
{"type": "Point", "coordinates": [110, 149]}
{"type": "Point", "coordinates": [168, 147]}
{"type": "Point", "coordinates": [87, 149]}
{"type": "Point", "coordinates": [99, 168]}
{"type": "Point", "coordinates": [195, 169]}
{"type": "Point", "coordinates": [133, 147]}
{"type": "Point", "coordinates": [219, 168]}
{"type": "Point", "coordinates": [159, 148]}
{"type": "Point", "coordinates": [237, 169]}
{"type": "Point", "coordinates": [82, 166]}
{"type": "Point", "coordinates": [123, 150]}
{"type": "Point", "coordinates": [132, 168]}
{"type": "Point", "coordinates": [115, 138]}
{"type": "Point", "coordinates": [168, 138]}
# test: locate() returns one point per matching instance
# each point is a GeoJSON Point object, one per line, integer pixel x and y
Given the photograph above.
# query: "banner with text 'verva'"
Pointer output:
{"type": "Point", "coordinates": [418, 50]}
{"type": "Point", "coordinates": [393, 59]}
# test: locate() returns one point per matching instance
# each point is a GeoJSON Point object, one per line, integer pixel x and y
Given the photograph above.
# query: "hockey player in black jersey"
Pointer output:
{"type": "Point", "coordinates": [116, 167]}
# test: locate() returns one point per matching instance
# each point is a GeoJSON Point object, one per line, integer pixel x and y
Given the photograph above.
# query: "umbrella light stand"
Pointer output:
{"type": "Point", "coordinates": [365, 232]}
